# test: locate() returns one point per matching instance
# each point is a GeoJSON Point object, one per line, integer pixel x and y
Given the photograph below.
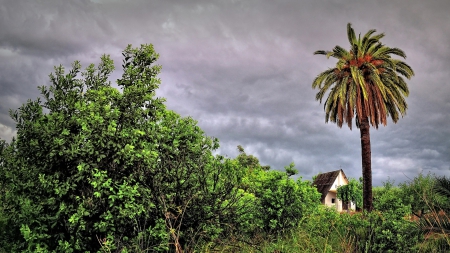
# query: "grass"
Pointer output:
{"type": "Point", "coordinates": [314, 235]}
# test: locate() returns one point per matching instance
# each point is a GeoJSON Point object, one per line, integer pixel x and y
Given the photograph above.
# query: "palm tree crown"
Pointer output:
{"type": "Point", "coordinates": [366, 81]}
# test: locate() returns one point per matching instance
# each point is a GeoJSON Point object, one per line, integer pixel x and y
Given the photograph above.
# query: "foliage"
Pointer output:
{"type": "Point", "coordinates": [326, 230]}
{"type": "Point", "coordinates": [280, 202]}
{"type": "Point", "coordinates": [272, 202]}
{"type": "Point", "coordinates": [4, 235]}
{"type": "Point", "coordinates": [442, 189]}
{"type": "Point", "coordinates": [351, 192]}
{"type": "Point", "coordinates": [383, 232]}
{"type": "Point", "coordinates": [249, 162]}
{"type": "Point", "coordinates": [436, 223]}
{"type": "Point", "coordinates": [429, 199]}
{"type": "Point", "coordinates": [320, 230]}
{"type": "Point", "coordinates": [420, 194]}
{"type": "Point", "coordinates": [389, 229]}
{"type": "Point", "coordinates": [436, 227]}
{"type": "Point", "coordinates": [388, 198]}
{"type": "Point", "coordinates": [386, 229]}
{"type": "Point", "coordinates": [97, 168]}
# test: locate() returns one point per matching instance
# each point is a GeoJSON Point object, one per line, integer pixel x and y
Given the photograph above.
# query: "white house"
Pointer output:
{"type": "Point", "coordinates": [327, 184]}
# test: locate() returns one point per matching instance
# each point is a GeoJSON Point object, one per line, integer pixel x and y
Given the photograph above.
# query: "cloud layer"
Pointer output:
{"type": "Point", "coordinates": [244, 70]}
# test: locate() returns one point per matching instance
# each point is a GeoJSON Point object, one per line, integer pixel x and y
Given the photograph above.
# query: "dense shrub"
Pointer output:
{"type": "Point", "coordinates": [388, 228]}
{"type": "Point", "coordinates": [279, 203]}
{"type": "Point", "coordinates": [420, 194]}
{"type": "Point", "coordinates": [95, 167]}
{"type": "Point", "coordinates": [271, 202]}
{"type": "Point", "coordinates": [436, 222]}
{"type": "Point", "coordinates": [351, 192]}
{"type": "Point", "coordinates": [325, 230]}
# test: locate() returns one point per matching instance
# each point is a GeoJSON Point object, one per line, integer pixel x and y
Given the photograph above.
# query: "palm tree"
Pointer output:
{"type": "Point", "coordinates": [366, 83]}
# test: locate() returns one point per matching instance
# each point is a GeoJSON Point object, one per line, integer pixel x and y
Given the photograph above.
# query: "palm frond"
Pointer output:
{"type": "Point", "coordinates": [374, 47]}
{"type": "Point", "coordinates": [367, 35]}
{"type": "Point", "coordinates": [388, 63]}
{"type": "Point", "coordinates": [381, 52]}
{"type": "Point", "coordinates": [326, 86]}
{"type": "Point", "coordinates": [359, 79]}
{"type": "Point", "coordinates": [321, 77]}
{"type": "Point", "coordinates": [375, 78]}
{"type": "Point", "coordinates": [406, 70]}
{"type": "Point", "coordinates": [402, 86]}
{"type": "Point", "coordinates": [351, 34]}
{"type": "Point", "coordinates": [322, 52]}
{"type": "Point", "coordinates": [443, 186]}
{"type": "Point", "coordinates": [396, 51]}
{"type": "Point", "coordinates": [378, 37]}
{"type": "Point", "coordinates": [340, 53]}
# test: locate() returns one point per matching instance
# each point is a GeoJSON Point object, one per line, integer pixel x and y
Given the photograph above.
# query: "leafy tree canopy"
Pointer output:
{"type": "Point", "coordinates": [95, 166]}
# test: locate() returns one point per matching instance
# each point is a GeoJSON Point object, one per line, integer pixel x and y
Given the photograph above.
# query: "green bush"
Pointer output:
{"type": "Point", "coordinates": [419, 194]}
{"type": "Point", "coordinates": [351, 192]}
{"type": "Point", "coordinates": [325, 230]}
{"type": "Point", "coordinates": [383, 232]}
{"type": "Point", "coordinates": [96, 168]}
{"type": "Point", "coordinates": [387, 228]}
{"type": "Point", "coordinates": [436, 222]}
{"type": "Point", "coordinates": [275, 202]}
{"type": "Point", "coordinates": [270, 202]}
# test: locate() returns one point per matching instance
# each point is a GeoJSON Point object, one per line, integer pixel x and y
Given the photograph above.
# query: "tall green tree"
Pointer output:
{"type": "Point", "coordinates": [368, 84]}
{"type": "Point", "coordinates": [97, 168]}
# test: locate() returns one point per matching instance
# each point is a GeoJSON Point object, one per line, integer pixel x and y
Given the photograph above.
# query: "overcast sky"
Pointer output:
{"type": "Point", "coordinates": [244, 68]}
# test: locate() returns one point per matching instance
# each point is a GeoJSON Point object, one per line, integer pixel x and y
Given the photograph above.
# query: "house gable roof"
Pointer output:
{"type": "Point", "coordinates": [324, 182]}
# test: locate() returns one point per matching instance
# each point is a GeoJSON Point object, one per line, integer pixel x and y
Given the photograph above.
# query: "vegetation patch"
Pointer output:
{"type": "Point", "coordinates": [96, 168]}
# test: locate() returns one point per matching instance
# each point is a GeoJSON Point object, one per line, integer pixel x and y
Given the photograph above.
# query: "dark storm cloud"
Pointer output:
{"type": "Point", "coordinates": [34, 37]}
{"type": "Point", "coordinates": [49, 28]}
{"type": "Point", "coordinates": [244, 70]}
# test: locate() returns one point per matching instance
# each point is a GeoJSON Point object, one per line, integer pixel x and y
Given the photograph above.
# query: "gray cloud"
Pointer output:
{"type": "Point", "coordinates": [56, 29]}
{"type": "Point", "coordinates": [244, 69]}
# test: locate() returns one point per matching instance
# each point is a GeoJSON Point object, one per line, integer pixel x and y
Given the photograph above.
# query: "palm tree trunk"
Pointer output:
{"type": "Point", "coordinates": [366, 155]}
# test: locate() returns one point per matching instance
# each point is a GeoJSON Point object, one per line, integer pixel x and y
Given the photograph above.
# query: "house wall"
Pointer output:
{"type": "Point", "coordinates": [352, 206]}
{"type": "Point", "coordinates": [340, 180]}
{"type": "Point", "coordinates": [328, 200]}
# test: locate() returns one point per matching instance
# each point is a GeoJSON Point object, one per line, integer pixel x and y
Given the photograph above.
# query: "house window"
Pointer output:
{"type": "Point", "coordinates": [333, 201]}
